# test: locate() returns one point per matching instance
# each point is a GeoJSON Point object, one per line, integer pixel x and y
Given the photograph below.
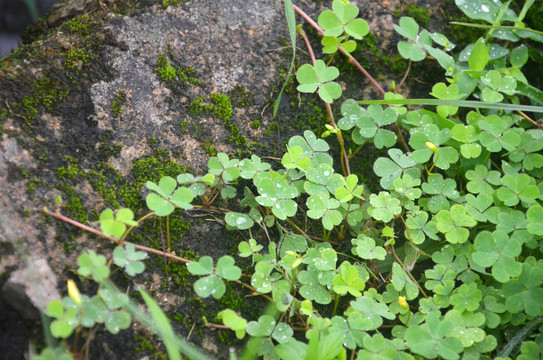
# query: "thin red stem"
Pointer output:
{"type": "Point", "coordinates": [351, 59]}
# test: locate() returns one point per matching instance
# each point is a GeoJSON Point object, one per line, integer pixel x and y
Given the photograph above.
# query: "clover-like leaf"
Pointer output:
{"type": "Point", "coordinates": [239, 221]}
{"type": "Point", "coordinates": [497, 135]}
{"type": "Point", "coordinates": [234, 321]}
{"type": "Point", "coordinates": [443, 157]}
{"type": "Point", "coordinates": [525, 293]}
{"type": "Point", "coordinates": [441, 190]}
{"type": "Point", "coordinates": [162, 201]}
{"type": "Point", "coordinates": [350, 189]}
{"type": "Point", "coordinates": [383, 206]}
{"type": "Point", "coordinates": [364, 246]}
{"type": "Point", "coordinates": [321, 206]}
{"type": "Point", "coordinates": [249, 168]}
{"type": "Point", "coordinates": [370, 125]}
{"type": "Point", "coordinates": [391, 169]}
{"type": "Point", "coordinates": [294, 158]}
{"type": "Point", "coordinates": [319, 77]}
{"type": "Point", "coordinates": [481, 180]}
{"type": "Point", "coordinates": [311, 289]}
{"type": "Point", "coordinates": [499, 251]}
{"type": "Point", "coordinates": [65, 317]}
{"type": "Point", "coordinates": [487, 10]}
{"type": "Point", "coordinates": [94, 265]}
{"type": "Point", "coordinates": [348, 280]}
{"type": "Point", "coordinates": [222, 165]}
{"type": "Point", "coordinates": [372, 310]}
{"type": "Point", "coordinates": [115, 224]}
{"type": "Point", "coordinates": [520, 187]}
{"type": "Point", "coordinates": [321, 179]}
{"type": "Point", "coordinates": [418, 227]}
{"type": "Point", "coordinates": [466, 298]}
{"type": "Point", "coordinates": [117, 321]}
{"type": "Point", "coordinates": [128, 258]}
{"type": "Point", "coordinates": [434, 338]}
{"type": "Point", "coordinates": [343, 19]}
{"type": "Point", "coordinates": [210, 285]}
{"type": "Point", "coordinates": [453, 223]}
{"type": "Point", "coordinates": [261, 279]}
{"type": "Point", "coordinates": [277, 195]}
{"type": "Point", "coordinates": [314, 148]}
{"type": "Point", "coordinates": [226, 268]}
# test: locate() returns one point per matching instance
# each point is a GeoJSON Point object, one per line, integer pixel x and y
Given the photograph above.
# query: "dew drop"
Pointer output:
{"type": "Point", "coordinates": [485, 8]}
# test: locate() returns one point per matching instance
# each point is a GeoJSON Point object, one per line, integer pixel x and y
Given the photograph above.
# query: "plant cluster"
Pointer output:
{"type": "Point", "coordinates": [443, 261]}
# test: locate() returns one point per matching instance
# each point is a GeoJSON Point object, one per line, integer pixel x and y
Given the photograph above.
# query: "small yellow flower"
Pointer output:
{"type": "Point", "coordinates": [403, 302]}
{"type": "Point", "coordinates": [73, 292]}
{"type": "Point", "coordinates": [432, 147]}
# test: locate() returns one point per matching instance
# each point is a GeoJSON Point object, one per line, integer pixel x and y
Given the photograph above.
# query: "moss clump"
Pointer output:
{"type": "Point", "coordinates": [209, 148]}
{"type": "Point", "coordinates": [197, 105]}
{"type": "Point", "coordinates": [168, 73]}
{"type": "Point", "coordinates": [255, 124]}
{"type": "Point", "coordinates": [166, 3]}
{"type": "Point", "coordinates": [118, 102]}
{"type": "Point", "coordinates": [222, 106]}
{"type": "Point", "coordinates": [79, 25]}
{"type": "Point", "coordinates": [164, 69]}
{"type": "Point", "coordinates": [184, 126]}
{"type": "Point", "coordinates": [421, 15]}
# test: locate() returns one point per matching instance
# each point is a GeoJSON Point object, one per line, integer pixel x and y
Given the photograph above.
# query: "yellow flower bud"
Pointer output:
{"type": "Point", "coordinates": [432, 147]}
{"type": "Point", "coordinates": [403, 302]}
{"type": "Point", "coordinates": [73, 292]}
{"type": "Point", "coordinates": [296, 263]}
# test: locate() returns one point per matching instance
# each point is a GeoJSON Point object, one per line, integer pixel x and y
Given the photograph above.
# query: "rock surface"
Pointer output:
{"type": "Point", "coordinates": [86, 115]}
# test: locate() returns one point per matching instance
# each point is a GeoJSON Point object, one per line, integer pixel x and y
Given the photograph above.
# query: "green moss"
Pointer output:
{"type": "Point", "coordinates": [79, 25]}
{"type": "Point", "coordinates": [27, 212]}
{"type": "Point", "coordinates": [145, 344]}
{"type": "Point", "coordinates": [240, 96]}
{"type": "Point", "coordinates": [184, 126]}
{"type": "Point", "coordinates": [166, 3]}
{"type": "Point", "coordinates": [165, 70]}
{"type": "Point", "coordinates": [420, 14]}
{"type": "Point", "coordinates": [76, 58]}
{"type": "Point", "coordinates": [168, 73]}
{"type": "Point", "coordinates": [255, 124]}
{"type": "Point", "coordinates": [209, 148]}
{"type": "Point", "coordinates": [118, 102]}
{"type": "Point", "coordinates": [222, 108]}
{"type": "Point", "coordinates": [197, 105]}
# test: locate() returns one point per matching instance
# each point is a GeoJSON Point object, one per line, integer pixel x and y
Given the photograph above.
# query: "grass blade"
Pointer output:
{"type": "Point", "coordinates": [291, 21]}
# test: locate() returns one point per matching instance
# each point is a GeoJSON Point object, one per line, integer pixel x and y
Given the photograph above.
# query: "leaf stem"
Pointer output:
{"type": "Point", "coordinates": [407, 271]}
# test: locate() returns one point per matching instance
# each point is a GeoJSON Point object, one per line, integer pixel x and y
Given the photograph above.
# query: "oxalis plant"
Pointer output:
{"type": "Point", "coordinates": [443, 261]}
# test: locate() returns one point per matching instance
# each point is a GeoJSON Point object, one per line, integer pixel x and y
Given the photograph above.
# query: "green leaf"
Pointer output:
{"type": "Point", "coordinates": [276, 194]}
{"type": "Point", "coordinates": [433, 338]}
{"type": "Point", "coordinates": [210, 285]}
{"type": "Point", "coordinates": [115, 225]}
{"type": "Point", "coordinates": [408, 28]}
{"type": "Point", "coordinates": [384, 207]}
{"type": "Point", "coordinates": [226, 268]}
{"type": "Point", "coordinates": [535, 216]}
{"type": "Point", "coordinates": [91, 264]}
{"type": "Point", "coordinates": [479, 56]}
{"type": "Point", "coordinates": [294, 158]}
{"type": "Point", "coordinates": [520, 187]}
{"type": "Point", "coordinates": [311, 289]}
{"type": "Point", "coordinates": [321, 206]}
{"type": "Point", "coordinates": [466, 298]}
{"type": "Point", "coordinates": [369, 309]}
{"type": "Point", "coordinates": [391, 169]}
{"type": "Point", "coordinates": [441, 189]}
{"type": "Point", "coordinates": [364, 246]}
{"type": "Point", "coordinates": [348, 280]}
{"type": "Point", "coordinates": [499, 251]}
{"type": "Point", "coordinates": [526, 294]}
{"type": "Point", "coordinates": [204, 266]}
{"type": "Point", "coordinates": [411, 51]}
{"type": "Point", "coordinates": [487, 10]}
{"type": "Point", "coordinates": [319, 77]}
{"type": "Point", "coordinates": [239, 221]}
{"type": "Point", "coordinates": [61, 329]}
{"type": "Point", "coordinates": [453, 223]}
{"type": "Point", "coordinates": [128, 258]}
